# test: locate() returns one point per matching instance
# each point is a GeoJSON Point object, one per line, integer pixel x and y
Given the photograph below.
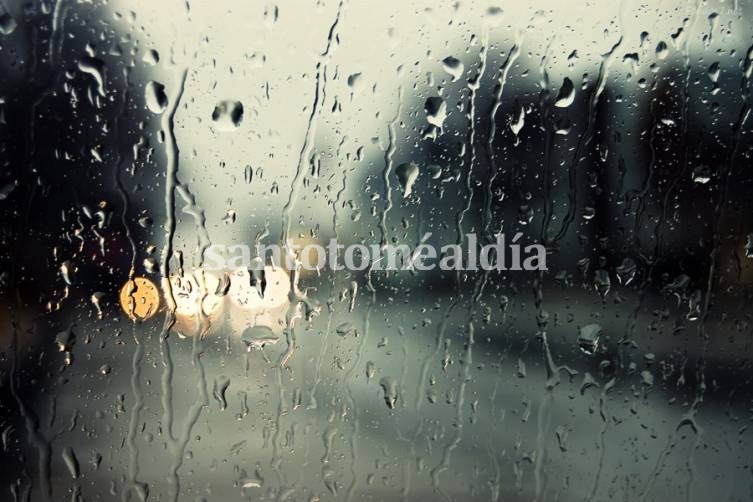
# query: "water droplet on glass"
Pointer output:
{"type": "Point", "coordinates": [454, 67]}
{"type": "Point", "coordinates": [67, 270]}
{"type": "Point", "coordinates": [566, 95]}
{"type": "Point", "coordinates": [96, 68]}
{"type": "Point", "coordinates": [588, 338]}
{"type": "Point", "coordinates": [436, 111]}
{"type": "Point", "coordinates": [221, 384]}
{"type": "Point", "coordinates": [647, 379]}
{"type": "Point", "coordinates": [71, 462]}
{"type": "Point", "coordinates": [65, 340]}
{"type": "Point", "coordinates": [257, 337]}
{"type": "Point", "coordinates": [389, 387]}
{"type": "Point", "coordinates": [713, 72]}
{"type": "Point", "coordinates": [661, 50]}
{"type": "Point", "coordinates": [96, 299]}
{"type": "Point", "coordinates": [227, 115]}
{"type": "Point", "coordinates": [702, 174]}
{"type": "Point", "coordinates": [563, 126]}
{"type": "Point", "coordinates": [695, 306]}
{"type": "Point", "coordinates": [602, 282]}
{"type": "Point", "coordinates": [561, 433]}
{"type": "Point", "coordinates": [626, 271]}
{"type": "Point", "coordinates": [7, 22]}
{"type": "Point", "coordinates": [407, 174]}
{"type": "Point", "coordinates": [370, 370]}
{"type": "Point", "coordinates": [139, 298]}
{"type": "Point", "coordinates": [151, 57]}
{"type": "Point", "coordinates": [525, 214]}
{"type": "Point", "coordinates": [156, 99]}
{"type": "Point", "coordinates": [678, 286]}
{"type": "Point", "coordinates": [229, 217]}
{"type": "Point", "coordinates": [518, 121]}
{"type": "Point", "coordinates": [346, 329]}
{"type": "Point", "coordinates": [255, 481]}
{"type": "Point", "coordinates": [355, 83]}
{"type": "Point", "coordinates": [749, 245]}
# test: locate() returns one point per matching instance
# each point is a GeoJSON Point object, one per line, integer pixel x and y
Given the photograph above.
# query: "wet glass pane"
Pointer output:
{"type": "Point", "coordinates": [349, 251]}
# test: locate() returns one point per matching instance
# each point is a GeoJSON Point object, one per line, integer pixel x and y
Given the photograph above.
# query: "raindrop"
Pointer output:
{"type": "Point", "coordinates": [494, 13]}
{"type": "Point", "coordinates": [389, 387]}
{"type": "Point", "coordinates": [678, 286]}
{"type": "Point", "coordinates": [562, 126]}
{"type": "Point", "coordinates": [227, 115]}
{"type": "Point", "coordinates": [602, 283]}
{"type": "Point", "coordinates": [647, 378]}
{"type": "Point", "coordinates": [229, 217]}
{"type": "Point", "coordinates": [156, 99]}
{"type": "Point", "coordinates": [271, 14]}
{"type": "Point", "coordinates": [633, 59]}
{"type": "Point", "coordinates": [561, 434]}
{"type": "Point", "coordinates": [346, 329]}
{"type": "Point", "coordinates": [151, 57]}
{"type": "Point", "coordinates": [96, 154]}
{"type": "Point", "coordinates": [65, 340]}
{"type": "Point", "coordinates": [626, 271]}
{"type": "Point", "coordinates": [139, 298]}
{"type": "Point", "coordinates": [67, 270]}
{"type": "Point", "coordinates": [661, 50]}
{"type": "Point", "coordinates": [407, 174]}
{"type": "Point", "coordinates": [221, 384]}
{"type": "Point", "coordinates": [436, 111]}
{"type": "Point", "coordinates": [71, 462]}
{"type": "Point", "coordinates": [588, 382]}
{"type": "Point", "coordinates": [702, 174]}
{"type": "Point", "coordinates": [566, 95]}
{"type": "Point", "coordinates": [525, 214]}
{"type": "Point", "coordinates": [588, 339]}
{"type": "Point", "coordinates": [517, 122]}
{"type": "Point", "coordinates": [355, 83]}
{"type": "Point", "coordinates": [454, 67]}
{"type": "Point", "coordinates": [97, 301]}
{"type": "Point", "coordinates": [7, 23]}
{"type": "Point", "coordinates": [695, 306]}
{"type": "Point", "coordinates": [256, 337]}
{"type": "Point", "coordinates": [95, 68]}
{"type": "Point", "coordinates": [255, 481]}
{"type": "Point", "coordinates": [6, 189]}
{"type": "Point", "coordinates": [713, 72]}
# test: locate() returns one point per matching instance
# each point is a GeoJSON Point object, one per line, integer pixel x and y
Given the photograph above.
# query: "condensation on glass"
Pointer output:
{"type": "Point", "coordinates": [134, 135]}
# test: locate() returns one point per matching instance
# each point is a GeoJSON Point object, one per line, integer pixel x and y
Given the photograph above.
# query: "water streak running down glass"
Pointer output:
{"type": "Point", "coordinates": [140, 138]}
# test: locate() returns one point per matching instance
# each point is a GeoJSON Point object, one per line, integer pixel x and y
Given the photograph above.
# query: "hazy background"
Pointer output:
{"type": "Point", "coordinates": [616, 134]}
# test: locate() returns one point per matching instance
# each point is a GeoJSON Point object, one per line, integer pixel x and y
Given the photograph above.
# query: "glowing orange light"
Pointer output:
{"type": "Point", "coordinates": [139, 298]}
